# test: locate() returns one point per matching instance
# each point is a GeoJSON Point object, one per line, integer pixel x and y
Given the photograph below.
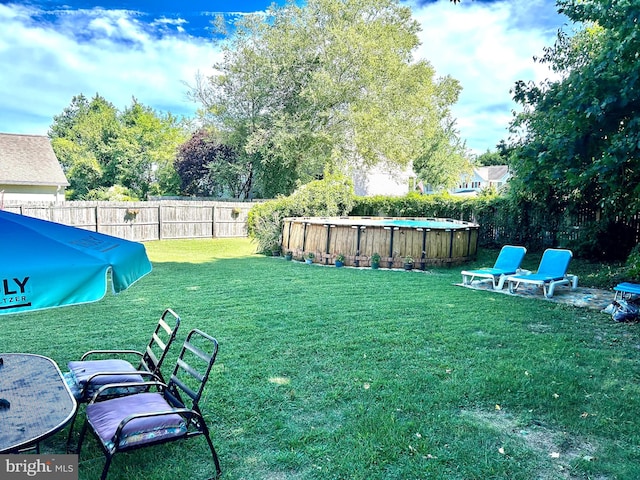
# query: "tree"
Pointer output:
{"type": "Point", "coordinates": [499, 156]}
{"type": "Point", "coordinates": [327, 86]}
{"type": "Point", "coordinates": [100, 147]}
{"type": "Point", "coordinates": [444, 158]}
{"type": "Point", "coordinates": [578, 137]}
{"type": "Point", "coordinates": [207, 167]}
{"type": "Point", "coordinates": [149, 141]}
{"type": "Point", "coordinates": [63, 124]}
{"type": "Point", "coordinates": [82, 137]}
{"type": "Point", "coordinates": [489, 158]}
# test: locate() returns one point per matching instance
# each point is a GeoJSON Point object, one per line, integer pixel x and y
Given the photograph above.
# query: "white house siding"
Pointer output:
{"type": "Point", "coordinates": [30, 193]}
{"type": "Point", "coordinates": [29, 169]}
{"type": "Point", "coordinates": [382, 180]}
{"type": "Point", "coordinates": [484, 177]}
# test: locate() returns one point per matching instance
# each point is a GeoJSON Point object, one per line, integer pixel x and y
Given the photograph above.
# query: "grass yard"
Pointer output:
{"type": "Point", "coordinates": [327, 373]}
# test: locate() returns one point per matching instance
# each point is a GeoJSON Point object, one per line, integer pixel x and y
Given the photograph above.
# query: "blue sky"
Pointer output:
{"type": "Point", "coordinates": [51, 50]}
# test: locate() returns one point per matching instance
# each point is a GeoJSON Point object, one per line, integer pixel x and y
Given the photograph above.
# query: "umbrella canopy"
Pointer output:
{"type": "Point", "coordinates": [45, 264]}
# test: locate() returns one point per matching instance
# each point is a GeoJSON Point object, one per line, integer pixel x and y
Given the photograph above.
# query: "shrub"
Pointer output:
{"type": "Point", "coordinates": [332, 196]}
{"type": "Point", "coordinates": [415, 205]}
{"type": "Point", "coordinates": [116, 193]}
{"type": "Point", "coordinates": [605, 240]}
{"type": "Point", "coordinates": [633, 263]}
{"type": "Point", "coordinates": [264, 223]}
{"type": "Point", "coordinates": [503, 220]}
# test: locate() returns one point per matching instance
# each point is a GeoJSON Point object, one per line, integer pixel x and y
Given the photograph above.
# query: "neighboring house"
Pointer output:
{"type": "Point", "coordinates": [29, 169]}
{"type": "Point", "coordinates": [483, 177]}
{"type": "Point", "coordinates": [393, 181]}
{"type": "Point", "coordinates": [382, 179]}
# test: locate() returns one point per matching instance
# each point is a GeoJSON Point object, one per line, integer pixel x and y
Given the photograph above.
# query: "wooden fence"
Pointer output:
{"type": "Point", "coordinates": [183, 219]}
{"type": "Point", "coordinates": [145, 221]}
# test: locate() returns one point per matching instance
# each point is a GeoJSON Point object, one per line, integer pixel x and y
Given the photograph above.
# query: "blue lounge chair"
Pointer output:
{"type": "Point", "coordinates": [507, 263]}
{"type": "Point", "coordinates": [626, 290]}
{"type": "Point", "coordinates": [552, 272]}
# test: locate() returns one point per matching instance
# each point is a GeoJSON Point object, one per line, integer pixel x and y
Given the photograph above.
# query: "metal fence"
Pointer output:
{"type": "Point", "coordinates": [145, 221]}
{"type": "Point", "coordinates": [586, 231]}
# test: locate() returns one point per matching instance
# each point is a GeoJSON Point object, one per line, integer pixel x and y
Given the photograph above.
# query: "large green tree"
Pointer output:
{"type": "Point", "coordinates": [100, 147]}
{"type": "Point", "coordinates": [149, 143]}
{"type": "Point", "coordinates": [578, 142]}
{"type": "Point", "coordinates": [327, 86]}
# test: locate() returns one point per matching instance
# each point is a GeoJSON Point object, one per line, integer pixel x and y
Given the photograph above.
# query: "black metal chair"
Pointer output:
{"type": "Point", "coordinates": [160, 414]}
{"type": "Point", "coordinates": [87, 375]}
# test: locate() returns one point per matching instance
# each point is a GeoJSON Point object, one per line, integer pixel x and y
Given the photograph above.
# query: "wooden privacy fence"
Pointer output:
{"type": "Point", "coordinates": [145, 221]}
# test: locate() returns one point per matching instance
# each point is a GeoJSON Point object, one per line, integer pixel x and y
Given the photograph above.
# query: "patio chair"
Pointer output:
{"type": "Point", "coordinates": [159, 414]}
{"type": "Point", "coordinates": [551, 273]}
{"type": "Point", "coordinates": [507, 263]}
{"type": "Point", "coordinates": [86, 375]}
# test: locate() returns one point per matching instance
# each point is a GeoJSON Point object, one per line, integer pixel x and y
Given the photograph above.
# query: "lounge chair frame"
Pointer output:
{"type": "Point", "coordinates": [507, 263]}
{"type": "Point", "coordinates": [548, 276]}
{"type": "Point", "coordinates": [149, 363]}
{"type": "Point", "coordinates": [172, 394]}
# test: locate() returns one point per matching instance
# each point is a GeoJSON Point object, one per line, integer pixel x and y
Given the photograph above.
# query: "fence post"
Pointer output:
{"type": "Point", "coordinates": [213, 222]}
{"type": "Point", "coordinates": [160, 226]}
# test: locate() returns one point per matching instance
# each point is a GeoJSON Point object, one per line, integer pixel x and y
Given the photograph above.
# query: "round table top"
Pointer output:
{"type": "Point", "coordinates": [39, 401]}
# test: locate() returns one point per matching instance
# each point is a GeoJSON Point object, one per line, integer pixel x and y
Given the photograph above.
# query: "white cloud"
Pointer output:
{"type": "Point", "coordinates": [109, 53]}
{"type": "Point", "coordinates": [487, 47]}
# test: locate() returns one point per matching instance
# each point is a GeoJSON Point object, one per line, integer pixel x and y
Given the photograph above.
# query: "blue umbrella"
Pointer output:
{"type": "Point", "coordinates": [45, 264]}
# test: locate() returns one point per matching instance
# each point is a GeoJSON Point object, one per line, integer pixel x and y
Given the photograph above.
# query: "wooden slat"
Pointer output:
{"type": "Point", "coordinates": [326, 239]}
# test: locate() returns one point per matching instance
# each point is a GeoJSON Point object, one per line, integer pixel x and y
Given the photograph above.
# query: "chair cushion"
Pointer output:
{"type": "Point", "coordinates": [72, 383]}
{"type": "Point", "coordinates": [105, 417]}
{"type": "Point", "coordinates": [81, 371]}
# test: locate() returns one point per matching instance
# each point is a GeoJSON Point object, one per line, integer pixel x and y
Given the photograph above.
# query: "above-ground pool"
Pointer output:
{"type": "Point", "coordinates": [429, 241]}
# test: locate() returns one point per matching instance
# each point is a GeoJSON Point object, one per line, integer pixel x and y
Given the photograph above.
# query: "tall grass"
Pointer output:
{"type": "Point", "coordinates": [342, 373]}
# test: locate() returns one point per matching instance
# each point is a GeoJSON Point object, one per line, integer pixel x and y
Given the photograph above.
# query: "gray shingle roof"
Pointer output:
{"type": "Point", "coordinates": [492, 173]}
{"type": "Point", "coordinates": [496, 172]}
{"type": "Point", "coordinates": [29, 160]}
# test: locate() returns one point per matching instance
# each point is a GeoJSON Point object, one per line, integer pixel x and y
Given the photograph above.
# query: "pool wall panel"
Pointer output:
{"type": "Point", "coordinates": [359, 237]}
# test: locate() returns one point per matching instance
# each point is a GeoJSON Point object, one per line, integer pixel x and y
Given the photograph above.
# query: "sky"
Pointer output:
{"type": "Point", "coordinates": [52, 50]}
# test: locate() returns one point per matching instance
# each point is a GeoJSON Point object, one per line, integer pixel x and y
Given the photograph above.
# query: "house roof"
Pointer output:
{"type": "Point", "coordinates": [492, 173]}
{"type": "Point", "coordinates": [29, 160]}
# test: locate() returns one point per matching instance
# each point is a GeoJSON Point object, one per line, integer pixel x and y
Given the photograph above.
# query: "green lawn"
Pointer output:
{"type": "Point", "coordinates": [327, 373]}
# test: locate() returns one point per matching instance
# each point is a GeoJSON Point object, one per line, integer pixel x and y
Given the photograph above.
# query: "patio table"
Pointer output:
{"type": "Point", "coordinates": [35, 401]}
